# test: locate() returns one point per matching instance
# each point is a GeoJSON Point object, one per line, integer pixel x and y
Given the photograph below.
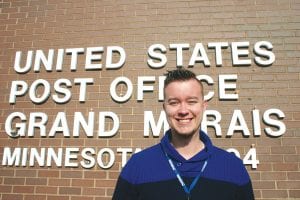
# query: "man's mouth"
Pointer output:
{"type": "Point", "coordinates": [184, 120]}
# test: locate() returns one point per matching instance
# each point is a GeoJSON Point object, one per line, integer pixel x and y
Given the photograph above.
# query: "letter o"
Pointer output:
{"type": "Point", "coordinates": [32, 91]}
{"type": "Point", "coordinates": [111, 158]}
{"type": "Point", "coordinates": [114, 85]}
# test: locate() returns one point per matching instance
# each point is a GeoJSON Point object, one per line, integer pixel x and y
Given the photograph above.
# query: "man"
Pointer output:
{"type": "Point", "coordinates": [185, 164]}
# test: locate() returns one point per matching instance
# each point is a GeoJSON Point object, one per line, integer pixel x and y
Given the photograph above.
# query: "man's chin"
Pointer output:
{"type": "Point", "coordinates": [184, 133]}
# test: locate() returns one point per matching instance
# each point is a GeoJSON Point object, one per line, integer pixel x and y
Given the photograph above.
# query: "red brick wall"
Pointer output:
{"type": "Point", "coordinates": [134, 26]}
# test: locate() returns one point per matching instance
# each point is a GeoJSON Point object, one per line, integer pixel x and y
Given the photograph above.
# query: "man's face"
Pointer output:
{"type": "Point", "coordinates": [184, 106]}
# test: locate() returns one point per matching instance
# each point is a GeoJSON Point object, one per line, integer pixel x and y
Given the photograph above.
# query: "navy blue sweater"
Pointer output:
{"type": "Point", "coordinates": [148, 175]}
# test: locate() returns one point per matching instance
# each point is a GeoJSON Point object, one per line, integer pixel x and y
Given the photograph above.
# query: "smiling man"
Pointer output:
{"type": "Point", "coordinates": [185, 164]}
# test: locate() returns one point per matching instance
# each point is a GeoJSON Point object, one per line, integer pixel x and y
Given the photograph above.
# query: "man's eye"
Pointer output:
{"type": "Point", "coordinates": [173, 103]}
{"type": "Point", "coordinates": [192, 102]}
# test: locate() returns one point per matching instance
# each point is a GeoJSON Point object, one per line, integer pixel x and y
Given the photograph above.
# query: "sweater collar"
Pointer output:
{"type": "Point", "coordinates": [173, 153]}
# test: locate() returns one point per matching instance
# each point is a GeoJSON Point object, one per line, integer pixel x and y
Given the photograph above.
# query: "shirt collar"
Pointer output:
{"type": "Point", "coordinates": [173, 154]}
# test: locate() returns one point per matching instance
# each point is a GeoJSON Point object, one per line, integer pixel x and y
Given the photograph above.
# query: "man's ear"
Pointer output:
{"type": "Point", "coordinates": [164, 106]}
{"type": "Point", "coordinates": [205, 104]}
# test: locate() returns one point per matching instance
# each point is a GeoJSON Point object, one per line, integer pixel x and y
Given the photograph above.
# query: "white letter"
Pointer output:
{"type": "Point", "coordinates": [124, 152]}
{"type": "Point", "coordinates": [115, 124]}
{"type": "Point", "coordinates": [40, 56]}
{"type": "Point", "coordinates": [142, 88]}
{"type": "Point", "coordinates": [88, 127]}
{"type": "Point", "coordinates": [218, 46]}
{"type": "Point", "coordinates": [37, 156]}
{"type": "Point", "coordinates": [88, 161]}
{"type": "Point", "coordinates": [17, 66]}
{"type": "Point", "coordinates": [69, 157]}
{"type": "Point", "coordinates": [241, 126]}
{"type": "Point", "coordinates": [223, 86]}
{"type": "Point", "coordinates": [11, 159]}
{"type": "Point", "coordinates": [83, 82]}
{"type": "Point", "coordinates": [274, 123]}
{"type": "Point", "coordinates": [18, 88]}
{"type": "Point", "coordinates": [161, 84]}
{"type": "Point", "coordinates": [74, 52]}
{"type": "Point", "coordinates": [201, 58]}
{"type": "Point", "coordinates": [59, 61]}
{"type": "Point", "coordinates": [179, 48]}
{"type": "Point", "coordinates": [19, 129]}
{"type": "Point", "coordinates": [158, 56]}
{"type": "Point", "coordinates": [209, 81]}
{"type": "Point", "coordinates": [113, 86]}
{"type": "Point", "coordinates": [57, 158]}
{"type": "Point", "coordinates": [33, 88]}
{"type": "Point", "coordinates": [256, 122]}
{"type": "Point", "coordinates": [236, 53]}
{"type": "Point", "coordinates": [268, 56]}
{"type": "Point", "coordinates": [111, 158]}
{"type": "Point", "coordinates": [149, 123]}
{"type": "Point", "coordinates": [60, 125]}
{"type": "Point", "coordinates": [109, 56]}
{"type": "Point", "coordinates": [34, 123]}
{"type": "Point", "coordinates": [24, 157]}
{"type": "Point", "coordinates": [215, 123]}
{"type": "Point", "coordinates": [62, 90]}
{"type": "Point", "coordinates": [250, 158]}
{"type": "Point", "coordinates": [90, 57]}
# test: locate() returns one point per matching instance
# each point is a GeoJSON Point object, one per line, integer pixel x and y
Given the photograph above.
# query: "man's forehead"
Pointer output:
{"type": "Point", "coordinates": [192, 82]}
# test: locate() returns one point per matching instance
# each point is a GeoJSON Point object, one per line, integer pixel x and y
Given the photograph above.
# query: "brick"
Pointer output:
{"type": "Point", "coordinates": [94, 174]}
{"type": "Point", "coordinates": [35, 197]}
{"type": "Point", "coordinates": [60, 197]}
{"type": "Point", "coordinates": [48, 173]}
{"type": "Point", "coordinates": [274, 176]}
{"type": "Point", "coordinates": [274, 194]}
{"type": "Point", "coordinates": [105, 183]}
{"type": "Point", "coordinates": [283, 150]}
{"type": "Point", "coordinates": [59, 182]}
{"type": "Point", "coordinates": [70, 190]}
{"type": "Point", "coordinates": [93, 191]}
{"type": "Point", "coordinates": [285, 166]}
{"type": "Point", "coordinates": [293, 175]}
{"type": "Point", "coordinates": [294, 193]}
{"type": "Point", "coordinates": [23, 189]}
{"type": "Point", "coordinates": [288, 184]}
{"type": "Point", "coordinates": [14, 181]}
{"type": "Point", "coordinates": [81, 198]}
{"type": "Point", "coordinates": [264, 185]}
{"type": "Point", "coordinates": [291, 158]}
{"type": "Point", "coordinates": [12, 196]}
{"type": "Point", "coordinates": [46, 190]}
{"type": "Point", "coordinates": [5, 189]}
{"type": "Point", "coordinates": [290, 141]}
{"type": "Point", "coordinates": [26, 173]}
{"type": "Point", "coordinates": [81, 182]}
{"type": "Point", "coordinates": [6, 172]}
{"type": "Point", "coordinates": [71, 174]}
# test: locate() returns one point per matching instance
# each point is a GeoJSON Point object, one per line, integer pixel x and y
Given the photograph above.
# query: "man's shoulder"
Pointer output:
{"type": "Point", "coordinates": [145, 166]}
{"type": "Point", "coordinates": [145, 158]}
{"type": "Point", "coordinates": [222, 154]}
{"type": "Point", "coordinates": [227, 166]}
{"type": "Point", "coordinates": [148, 153]}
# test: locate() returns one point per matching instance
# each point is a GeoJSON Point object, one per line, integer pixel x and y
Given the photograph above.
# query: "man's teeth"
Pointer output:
{"type": "Point", "coordinates": [184, 120]}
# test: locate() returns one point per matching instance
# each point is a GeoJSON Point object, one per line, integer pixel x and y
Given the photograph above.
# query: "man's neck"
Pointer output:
{"type": "Point", "coordinates": [187, 147]}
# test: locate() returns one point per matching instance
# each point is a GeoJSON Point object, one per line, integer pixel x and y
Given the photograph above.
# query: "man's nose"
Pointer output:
{"type": "Point", "coordinates": [183, 109]}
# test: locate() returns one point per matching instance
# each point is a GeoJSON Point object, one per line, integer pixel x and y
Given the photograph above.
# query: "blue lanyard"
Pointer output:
{"type": "Point", "coordinates": [186, 189]}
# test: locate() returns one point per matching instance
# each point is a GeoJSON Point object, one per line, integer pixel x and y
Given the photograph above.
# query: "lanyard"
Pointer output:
{"type": "Point", "coordinates": [187, 190]}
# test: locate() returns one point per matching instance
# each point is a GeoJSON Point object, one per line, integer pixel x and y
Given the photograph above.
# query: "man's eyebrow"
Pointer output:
{"type": "Point", "coordinates": [171, 98]}
{"type": "Point", "coordinates": [193, 97]}
{"type": "Point", "coordinates": [188, 98]}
